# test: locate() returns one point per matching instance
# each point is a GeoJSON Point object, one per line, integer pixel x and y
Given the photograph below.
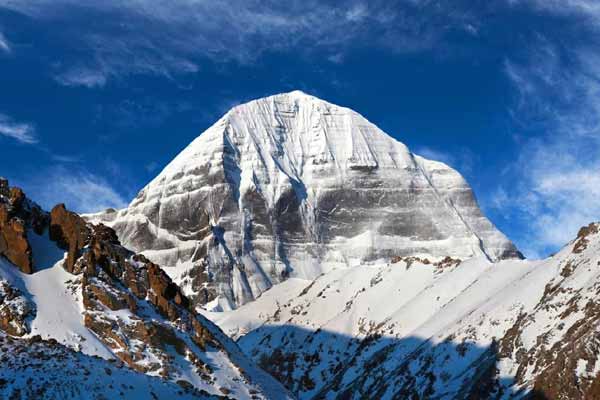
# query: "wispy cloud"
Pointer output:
{"type": "Point", "coordinates": [80, 76]}
{"type": "Point", "coordinates": [589, 9]}
{"type": "Point", "coordinates": [554, 183]}
{"type": "Point", "coordinates": [4, 44]}
{"type": "Point", "coordinates": [19, 131]}
{"type": "Point", "coordinates": [80, 190]}
{"type": "Point", "coordinates": [435, 155]}
{"type": "Point", "coordinates": [175, 37]}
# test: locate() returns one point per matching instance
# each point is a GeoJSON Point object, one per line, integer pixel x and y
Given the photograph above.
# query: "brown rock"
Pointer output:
{"type": "Point", "coordinates": [582, 237]}
{"type": "Point", "coordinates": [165, 292]}
{"type": "Point", "coordinates": [15, 310]}
{"type": "Point", "coordinates": [111, 298]}
{"type": "Point", "coordinates": [13, 241]}
{"type": "Point", "coordinates": [70, 232]}
{"type": "Point", "coordinates": [16, 197]}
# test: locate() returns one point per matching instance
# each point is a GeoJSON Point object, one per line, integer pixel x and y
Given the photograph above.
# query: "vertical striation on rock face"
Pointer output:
{"type": "Point", "coordinates": [291, 185]}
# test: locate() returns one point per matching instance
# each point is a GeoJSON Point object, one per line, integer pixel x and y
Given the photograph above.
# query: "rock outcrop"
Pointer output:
{"type": "Point", "coordinates": [70, 232]}
{"type": "Point", "coordinates": [293, 186]}
{"type": "Point", "coordinates": [18, 215]}
{"type": "Point", "coordinates": [15, 310]}
{"type": "Point", "coordinates": [13, 241]}
{"type": "Point", "coordinates": [118, 279]}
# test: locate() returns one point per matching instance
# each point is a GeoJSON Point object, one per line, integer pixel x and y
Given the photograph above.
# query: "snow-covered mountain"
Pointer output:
{"type": "Point", "coordinates": [293, 186]}
{"type": "Point", "coordinates": [75, 304]}
{"type": "Point", "coordinates": [323, 252]}
{"type": "Point", "coordinates": [445, 330]}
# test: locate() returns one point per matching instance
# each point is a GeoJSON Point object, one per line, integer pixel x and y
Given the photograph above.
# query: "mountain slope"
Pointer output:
{"type": "Point", "coordinates": [291, 185]}
{"type": "Point", "coordinates": [78, 287]}
{"type": "Point", "coordinates": [417, 329]}
{"type": "Point", "coordinates": [45, 370]}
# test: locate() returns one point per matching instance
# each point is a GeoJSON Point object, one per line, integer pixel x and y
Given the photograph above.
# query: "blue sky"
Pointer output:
{"type": "Point", "coordinates": [96, 97]}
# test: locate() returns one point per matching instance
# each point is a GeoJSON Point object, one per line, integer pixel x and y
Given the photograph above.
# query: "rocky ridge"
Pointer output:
{"type": "Point", "coordinates": [135, 311]}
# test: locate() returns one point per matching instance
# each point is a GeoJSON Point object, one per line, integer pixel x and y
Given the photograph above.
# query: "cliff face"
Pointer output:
{"type": "Point", "coordinates": [293, 186]}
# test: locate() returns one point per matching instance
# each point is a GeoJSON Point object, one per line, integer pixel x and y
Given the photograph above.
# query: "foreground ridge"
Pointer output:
{"type": "Point", "coordinates": [101, 299]}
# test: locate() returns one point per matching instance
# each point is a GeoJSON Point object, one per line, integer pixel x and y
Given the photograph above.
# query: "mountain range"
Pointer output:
{"type": "Point", "coordinates": [293, 250]}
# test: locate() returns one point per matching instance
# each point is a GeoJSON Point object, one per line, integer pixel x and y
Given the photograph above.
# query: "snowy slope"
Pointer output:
{"type": "Point", "coordinates": [404, 304]}
{"type": "Point", "coordinates": [294, 186]}
{"type": "Point", "coordinates": [436, 330]}
{"type": "Point", "coordinates": [50, 304]}
{"type": "Point", "coordinates": [35, 369]}
{"type": "Point", "coordinates": [57, 299]}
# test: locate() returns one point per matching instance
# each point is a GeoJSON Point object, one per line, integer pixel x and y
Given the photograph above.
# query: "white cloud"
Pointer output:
{"type": "Point", "coordinates": [151, 166]}
{"type": "Point", "coordinates": [585, 8]}
{"type": "Point", "coordinates": [21, 132]}
{"type": "Point", "coordinates": [336, 58]}
{"type": "Point", "coordinates": [4, 44]}
{"type": "Point", "coordinates": [82, 77]}
{"type": "Point", "coordinates": [554, 186]}
{"type": "Point", "coordinates": [173, 37]}
{"type": "Point", "coordinates": [80, 190]}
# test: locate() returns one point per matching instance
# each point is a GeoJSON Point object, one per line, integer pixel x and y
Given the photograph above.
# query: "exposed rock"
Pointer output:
{"type": "Point", "coordinates": [4, 187]}
{"type": "Point", "coordinates": [15, 310]}
{"type": "Point", "coordinates": [70, 232]}
{"type": "Point", "coordinates": [17, 215]}
{"type": "Point", "coordinates": [134, 310]}
{"type": "Point", "coordinates": [13, 241]}
{"type": "Point", "coordinates": [109, 296]}
{"type": "Point", "coordinates": [582, 237]}
{"type": "Point", "coordinates": [114, 279]}
{"type": "Point", "coordinates": [41, 369]}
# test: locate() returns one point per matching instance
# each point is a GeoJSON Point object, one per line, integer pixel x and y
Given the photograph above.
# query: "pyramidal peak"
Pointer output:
{"type": "Point", "coordinates": [289, 132]}
{"type": "Point", "coordinates": [293, 186]}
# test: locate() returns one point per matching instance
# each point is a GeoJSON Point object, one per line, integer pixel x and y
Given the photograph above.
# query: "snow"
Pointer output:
{"type": "Point", "coordinates": [252, 315]}
{"type": "Point", "coordinates": [57, 298]}
{"type": "Point", "coordinates": [423, 306]}
{"type": "Point", "coordinates": [59, 315]}
{"type": "Point", "coordinates": [46, 372]}
{"type": "Point", "coordinates": [298, 186]}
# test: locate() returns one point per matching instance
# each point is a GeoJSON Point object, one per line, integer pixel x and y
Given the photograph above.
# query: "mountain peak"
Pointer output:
{"type": "Point", "coordinates": [291, 185]}
{"type": "Point", "coordinates": [294, 98]}
{"type": "Point", "coordinates": [295, 93]}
